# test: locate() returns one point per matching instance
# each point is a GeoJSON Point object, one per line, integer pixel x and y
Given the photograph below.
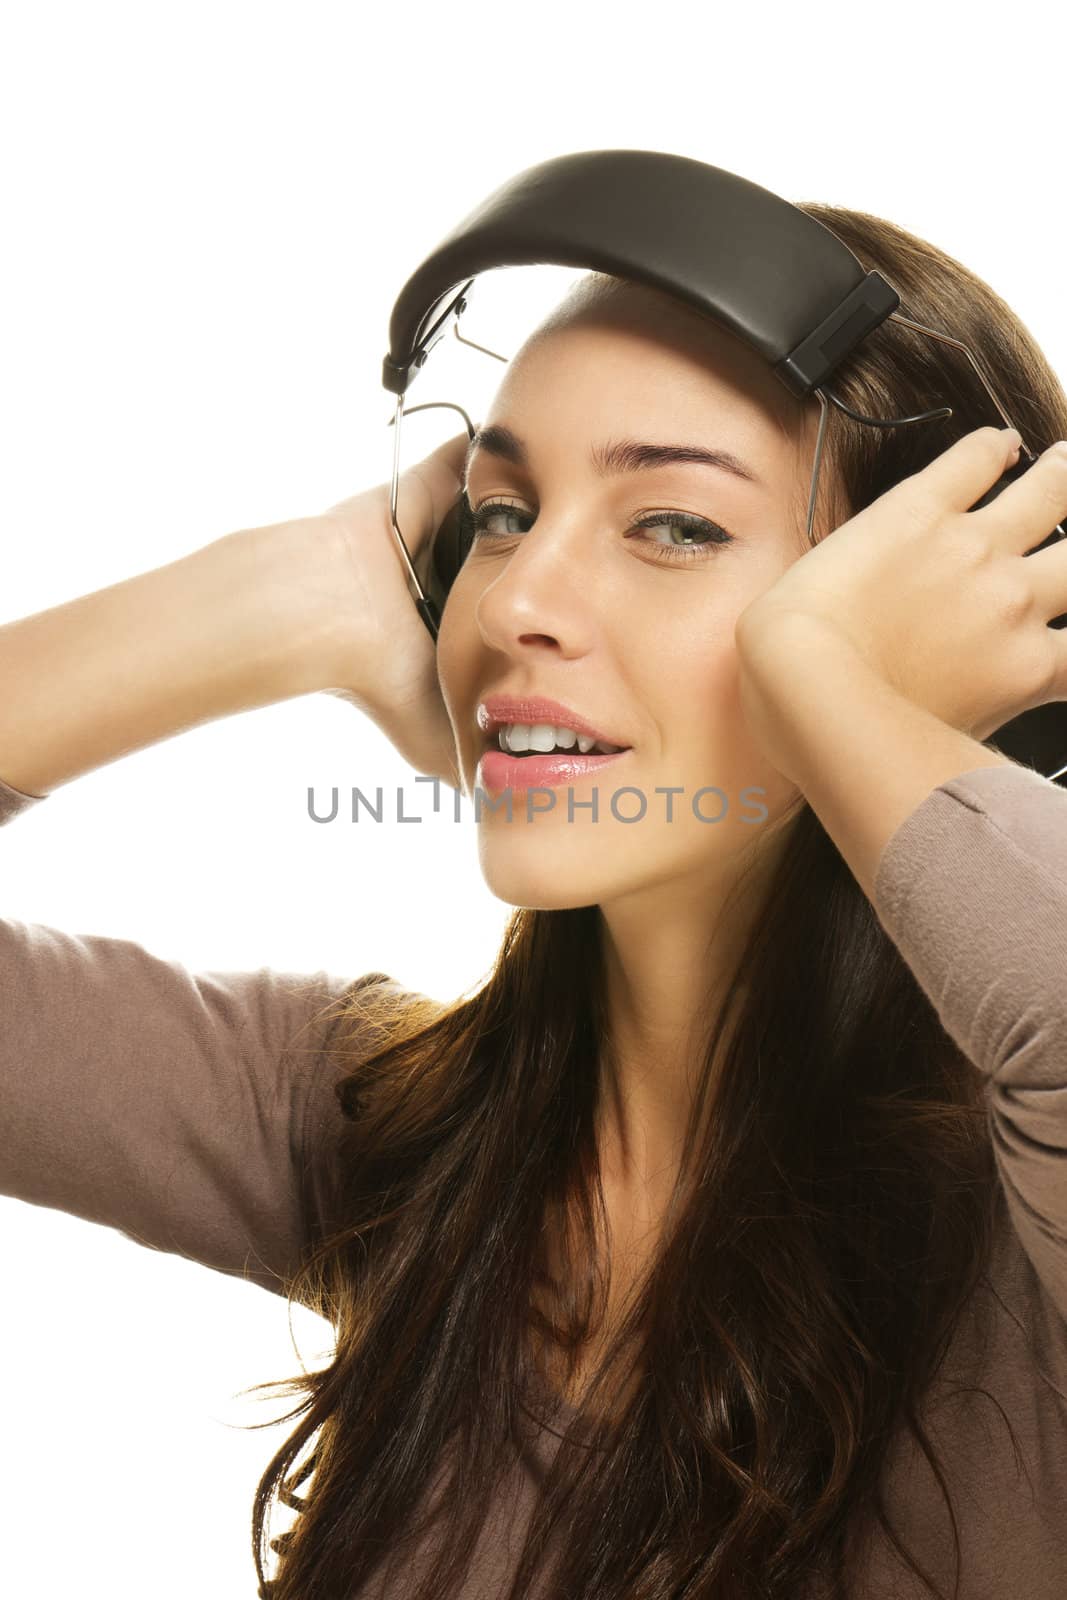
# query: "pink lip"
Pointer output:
{"type": "Point", "coordinates": [498, 709]}
{"type": "Point", "coordinates": [497, 770]}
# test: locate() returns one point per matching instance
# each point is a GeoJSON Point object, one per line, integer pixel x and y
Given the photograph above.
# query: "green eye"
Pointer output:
{"type": "Point", "coordinates": [707, 535]}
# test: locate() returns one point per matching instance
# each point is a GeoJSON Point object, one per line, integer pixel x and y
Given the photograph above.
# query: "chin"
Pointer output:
{"type": "Point", "coordinates": [522, 889]}
{"type": "Point", "coordinates": [538, 885]}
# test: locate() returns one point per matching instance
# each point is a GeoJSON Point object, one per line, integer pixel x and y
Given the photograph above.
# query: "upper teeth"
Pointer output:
{"type": "Point", "coordinates": [545, 736]}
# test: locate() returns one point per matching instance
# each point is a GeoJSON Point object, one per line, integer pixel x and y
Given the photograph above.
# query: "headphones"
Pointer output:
{"type": "Point", "coordinates": [735, 252]}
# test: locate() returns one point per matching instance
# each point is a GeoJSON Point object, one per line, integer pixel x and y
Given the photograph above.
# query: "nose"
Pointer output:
{"type": "Point", "coordinates": [545, 591]}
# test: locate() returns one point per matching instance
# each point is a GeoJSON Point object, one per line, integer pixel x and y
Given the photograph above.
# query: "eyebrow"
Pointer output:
{"type": "Point", "coordinates": [610, 459]}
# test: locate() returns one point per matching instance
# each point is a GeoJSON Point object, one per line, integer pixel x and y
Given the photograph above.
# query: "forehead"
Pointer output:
{"type": "Point", "coordinates": [653, 371]}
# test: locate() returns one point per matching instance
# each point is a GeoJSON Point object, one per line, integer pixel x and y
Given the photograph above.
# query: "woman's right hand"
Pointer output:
{"type": "Point", "coordinates": [386, 660]}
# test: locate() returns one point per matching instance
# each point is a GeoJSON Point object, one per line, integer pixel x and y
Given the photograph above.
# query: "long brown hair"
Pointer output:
{"type": "Point", "coordinates": [839, 1217]}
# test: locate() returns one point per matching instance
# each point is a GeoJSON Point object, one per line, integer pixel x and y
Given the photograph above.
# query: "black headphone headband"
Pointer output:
{"type": "Point", "coordinates": [729, 248]}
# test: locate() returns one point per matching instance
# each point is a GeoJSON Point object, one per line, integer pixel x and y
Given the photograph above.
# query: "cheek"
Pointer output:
{"type": "Point", "coordinates": [723, 750]}
{"type": "Point", "coordinates": [704, 660]}
{"type": "Point", "coordinates": [714, 736]}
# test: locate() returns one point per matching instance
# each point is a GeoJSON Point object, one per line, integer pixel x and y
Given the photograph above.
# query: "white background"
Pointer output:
{"type": "Point", "coordinates": [208, 211]}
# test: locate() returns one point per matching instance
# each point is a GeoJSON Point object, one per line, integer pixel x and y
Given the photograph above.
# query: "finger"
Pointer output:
{"type": "Point", "coordinates": [1026, 511]}
{"type": "Point", "coordinates": [442, 472]}
{"type": "Point", "coordinates": [454, 452]}
{"type": "Point", "coordinates": [958, 477]}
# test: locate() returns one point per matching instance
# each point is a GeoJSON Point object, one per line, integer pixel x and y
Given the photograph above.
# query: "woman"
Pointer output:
{"type": "Point", "coordinates": [717, 1245]}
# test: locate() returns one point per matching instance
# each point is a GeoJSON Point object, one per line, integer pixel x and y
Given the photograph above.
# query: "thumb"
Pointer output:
{"type": "Point", "coordinates": [442, 472]}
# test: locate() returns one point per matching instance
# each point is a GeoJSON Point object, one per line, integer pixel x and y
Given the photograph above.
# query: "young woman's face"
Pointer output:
{"type": "Point", "coordinates": [632, 627]}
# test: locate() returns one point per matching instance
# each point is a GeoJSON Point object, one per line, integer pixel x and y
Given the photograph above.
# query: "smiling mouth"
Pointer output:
{"type": "Point", "coordinates": [495, 742]}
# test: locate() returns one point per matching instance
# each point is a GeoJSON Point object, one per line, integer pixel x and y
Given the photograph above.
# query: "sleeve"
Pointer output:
{"type": "Point", "coordinates": [183, 1109]}
{"type": "Point", "coordinates": [972, 888]}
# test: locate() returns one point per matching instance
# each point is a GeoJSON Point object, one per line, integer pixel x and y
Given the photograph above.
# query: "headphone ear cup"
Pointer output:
{"type": "Point", "coordinates": [448, 551]}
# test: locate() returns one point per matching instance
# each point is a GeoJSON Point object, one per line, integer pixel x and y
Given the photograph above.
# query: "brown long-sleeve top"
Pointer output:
{"type": "Point", "coordinates": [181, 1109]}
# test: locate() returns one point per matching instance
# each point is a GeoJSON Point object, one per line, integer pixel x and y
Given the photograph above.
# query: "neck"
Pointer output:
{"type": "Point", "coordinates": [665, 992]}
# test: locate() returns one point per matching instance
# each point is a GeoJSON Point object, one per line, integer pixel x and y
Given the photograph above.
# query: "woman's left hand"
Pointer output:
{"type": "Point", "coordinates": [943, 603]}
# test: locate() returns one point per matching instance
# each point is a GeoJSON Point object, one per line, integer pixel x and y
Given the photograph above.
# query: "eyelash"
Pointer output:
{"type": "Point", "coordinates": [475, 521]}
